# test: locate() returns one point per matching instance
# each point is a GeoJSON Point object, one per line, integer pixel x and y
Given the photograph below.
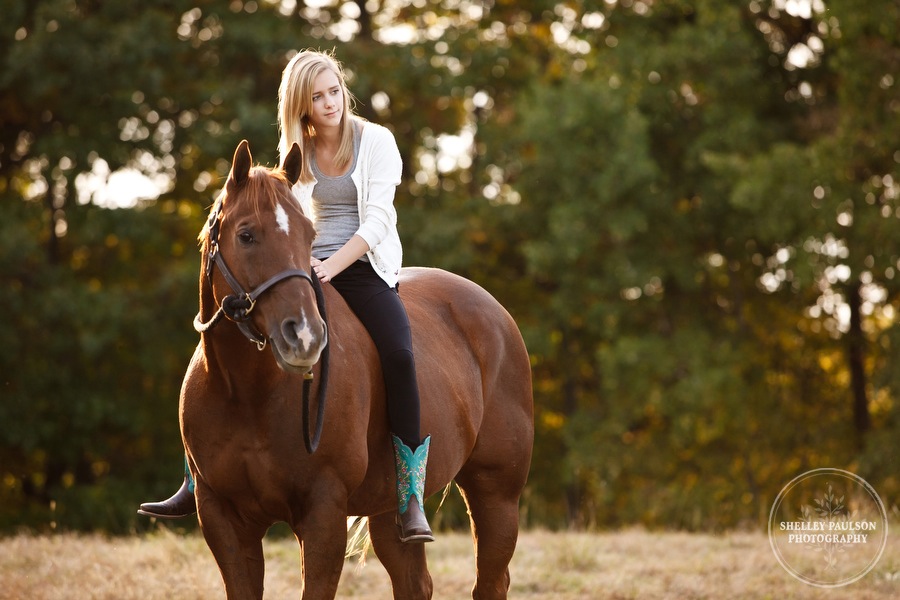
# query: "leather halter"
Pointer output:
{"type": "Point", "coordinates": [238, 307]}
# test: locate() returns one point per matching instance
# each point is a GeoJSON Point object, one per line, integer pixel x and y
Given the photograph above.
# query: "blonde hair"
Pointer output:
{"type": "Point", "coordinates": [295, 104]}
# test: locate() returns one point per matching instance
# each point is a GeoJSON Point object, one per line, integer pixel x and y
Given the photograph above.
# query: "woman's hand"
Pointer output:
{"type": "Point", "coordinates": [321, 270]}
{"type": "Point", "coordinates": [346, 255]}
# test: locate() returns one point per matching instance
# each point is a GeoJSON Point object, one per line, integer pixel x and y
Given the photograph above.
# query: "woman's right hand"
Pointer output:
{"type": "Point", "coordinates": [320, 270]}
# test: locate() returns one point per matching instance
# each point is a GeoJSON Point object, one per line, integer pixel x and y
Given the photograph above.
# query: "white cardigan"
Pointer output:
{"type": "Point", "coordinates": [376, 176]}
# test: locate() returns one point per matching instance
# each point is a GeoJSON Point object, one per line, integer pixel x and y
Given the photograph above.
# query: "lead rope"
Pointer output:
{"type": "Point", "coordinates": [201, 327]}
{"type": "Point", "coordinates": [312, 444]}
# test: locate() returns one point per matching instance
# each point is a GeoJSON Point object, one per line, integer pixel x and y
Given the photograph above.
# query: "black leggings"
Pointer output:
{"type": "Point", "coordinates": [384, 317]}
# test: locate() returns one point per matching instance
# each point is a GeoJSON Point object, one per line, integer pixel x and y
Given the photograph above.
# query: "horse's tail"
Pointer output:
{"type": "Point", "coordinates": [358, 539]}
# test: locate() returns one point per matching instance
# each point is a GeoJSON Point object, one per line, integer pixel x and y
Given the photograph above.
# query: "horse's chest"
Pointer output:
{"type": "Point", "coordinates": [238, 456]}
{"type": "Point", "coordinates": [251, 476]}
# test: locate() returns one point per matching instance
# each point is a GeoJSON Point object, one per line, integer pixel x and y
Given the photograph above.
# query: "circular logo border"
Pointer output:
{"type": "Point", "coordinates": [838, 473]}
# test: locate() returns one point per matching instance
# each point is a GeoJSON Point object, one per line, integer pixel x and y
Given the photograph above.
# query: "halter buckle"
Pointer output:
{"type": "Point", "coordinates": [251, 302]}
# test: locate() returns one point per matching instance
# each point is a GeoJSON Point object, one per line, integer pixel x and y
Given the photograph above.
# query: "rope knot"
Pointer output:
{"type": "Point", "coordinates": [238, 308]}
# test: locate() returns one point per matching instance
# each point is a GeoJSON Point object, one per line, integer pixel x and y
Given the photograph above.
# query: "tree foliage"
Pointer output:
{"type": "Point", "coordinates": [688, 206]}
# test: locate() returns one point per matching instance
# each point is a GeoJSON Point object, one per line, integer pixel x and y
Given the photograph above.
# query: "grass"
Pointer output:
{"type": "Point", "coordinates": [552, 566]}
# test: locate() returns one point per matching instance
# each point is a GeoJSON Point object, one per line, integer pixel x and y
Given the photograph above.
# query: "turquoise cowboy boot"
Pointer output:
{"type": "Point", "coordinates": [182, 504]}
{"type": "Point", "coordinates": [410, 490]}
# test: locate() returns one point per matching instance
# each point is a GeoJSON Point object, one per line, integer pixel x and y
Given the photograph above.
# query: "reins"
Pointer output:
{"type": "Point", "coordinates": [237, 308]}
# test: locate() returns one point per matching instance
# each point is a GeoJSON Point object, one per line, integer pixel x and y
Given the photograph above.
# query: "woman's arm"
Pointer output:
{"type": "Point", "coordinates": [379, 217]}
{"type": "Point", "coordinates": [383, 171]}
{"type": "Point", "coordinates": [346, 255]}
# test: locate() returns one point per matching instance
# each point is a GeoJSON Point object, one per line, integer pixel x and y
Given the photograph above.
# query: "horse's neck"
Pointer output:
{"type": "Point", "coordinates": [234, 364]}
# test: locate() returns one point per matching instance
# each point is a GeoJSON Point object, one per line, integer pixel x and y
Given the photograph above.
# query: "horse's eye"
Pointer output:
{"type": "Point", "coordinates": [245, 237]}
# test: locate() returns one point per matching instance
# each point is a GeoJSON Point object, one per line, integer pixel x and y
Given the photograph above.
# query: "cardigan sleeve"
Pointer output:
{"type": "Point", "coordinates": [381, 175]}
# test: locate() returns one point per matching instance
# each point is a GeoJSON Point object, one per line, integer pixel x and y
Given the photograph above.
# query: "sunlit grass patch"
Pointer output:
{"type": "Point", "coordinates": [628, 564]}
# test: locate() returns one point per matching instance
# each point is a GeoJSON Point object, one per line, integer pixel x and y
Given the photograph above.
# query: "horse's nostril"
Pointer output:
{"type": "Point", "coordinates": [290, 329]}
{"type": "Point", "coordinates": [297, 333]}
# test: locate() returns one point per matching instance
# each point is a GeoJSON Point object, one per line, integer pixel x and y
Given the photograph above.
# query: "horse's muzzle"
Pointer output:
{"type": "Point", "coordinates": [298, 343]}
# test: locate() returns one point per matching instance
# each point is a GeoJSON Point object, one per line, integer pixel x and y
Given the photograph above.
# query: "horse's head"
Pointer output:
{"type": "Point", "coordinates": [258, 246]}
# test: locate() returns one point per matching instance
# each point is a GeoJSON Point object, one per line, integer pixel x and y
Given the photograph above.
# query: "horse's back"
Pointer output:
{"type": "Point", "coordinates": [466, 341]}
{"type": "Point", "coordinates": [444, 307]}
{"type": "Point", "coordinates": [439, 293]}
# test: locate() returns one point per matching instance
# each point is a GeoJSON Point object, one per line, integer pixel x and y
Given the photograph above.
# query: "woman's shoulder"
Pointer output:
{"type": "Point", "coordinates": [376, 132]}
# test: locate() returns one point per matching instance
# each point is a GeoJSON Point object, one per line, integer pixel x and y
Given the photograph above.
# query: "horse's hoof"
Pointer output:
{"type": "Point", "coordinates": [413, 525]}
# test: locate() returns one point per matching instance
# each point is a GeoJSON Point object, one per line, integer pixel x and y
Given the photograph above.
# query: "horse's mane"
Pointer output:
{"type": "Point", "coordinates": [263, 188]}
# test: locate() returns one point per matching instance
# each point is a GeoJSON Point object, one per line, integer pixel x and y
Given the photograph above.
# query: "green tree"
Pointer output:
{"type": "Point", "coordinates": [688, 207]}
{"type": "Point", "coordinates": [102, 299]}
{"type": "Point", "coordinates": [693, 351]}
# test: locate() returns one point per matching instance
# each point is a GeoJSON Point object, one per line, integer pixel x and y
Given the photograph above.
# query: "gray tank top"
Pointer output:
{"type": "Point", "coordinates": [336, 206]}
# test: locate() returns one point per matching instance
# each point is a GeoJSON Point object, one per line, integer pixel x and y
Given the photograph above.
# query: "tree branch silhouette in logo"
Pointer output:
{"type": "Point", "coordinates": [828, 510]}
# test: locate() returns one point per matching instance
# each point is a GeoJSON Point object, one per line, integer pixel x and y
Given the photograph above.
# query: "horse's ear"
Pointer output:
{"type": "Point", "coordinates": [293, 163]}
{"type": "Point", "coordinates": [240, 165]}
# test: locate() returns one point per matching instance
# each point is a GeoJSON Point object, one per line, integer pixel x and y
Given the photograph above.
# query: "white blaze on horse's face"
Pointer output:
{"type": "Point", "coordinates": [305, 334]}
{"type": "Point", "coordinates": [281, 218]}
{"type": "Point", "coordinates": [300, 337]}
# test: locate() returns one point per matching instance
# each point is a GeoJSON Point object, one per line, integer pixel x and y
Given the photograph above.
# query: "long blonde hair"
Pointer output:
{"type": "Point", "coordinates": [295, 104]}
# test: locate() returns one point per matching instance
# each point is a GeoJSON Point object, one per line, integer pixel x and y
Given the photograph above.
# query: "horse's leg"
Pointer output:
{"type": "Point", "coordinates": [405, 563]}
{"type": "Point", "coordinates": [323, 540]}
{"type": "Point", "coordinates": [494, 515]}
{"type": "Point", "coordinates": [237, 548]}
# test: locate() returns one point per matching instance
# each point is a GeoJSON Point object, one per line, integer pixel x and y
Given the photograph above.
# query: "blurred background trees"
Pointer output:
{"type": "Point", "coordinates": [688, 206]}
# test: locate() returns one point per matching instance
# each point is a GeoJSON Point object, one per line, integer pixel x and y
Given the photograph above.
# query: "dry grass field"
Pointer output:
{"type": "Point", "coordinates": [553, 566]}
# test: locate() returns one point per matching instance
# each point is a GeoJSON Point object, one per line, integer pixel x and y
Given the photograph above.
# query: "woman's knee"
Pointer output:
{"type": "Point", "coordinates": [399, 363]}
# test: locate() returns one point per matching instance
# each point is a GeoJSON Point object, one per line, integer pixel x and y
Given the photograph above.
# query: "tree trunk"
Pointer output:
{"type": "Point", "coordinates": [365, 20]}
{"type": "Point", "coordinates": [52, 235]}
{"type": "Point", "coordinates": [856, 360]}
{"type": "Point", "coordinates": [570, 407]}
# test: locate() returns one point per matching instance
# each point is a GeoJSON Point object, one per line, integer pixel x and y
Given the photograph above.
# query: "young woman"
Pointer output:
{"type": "Point", "coordinates": [351, 169]}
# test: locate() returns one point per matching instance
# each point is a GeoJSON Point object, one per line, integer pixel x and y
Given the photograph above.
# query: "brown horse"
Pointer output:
{"type": "Point", "coordinates": [242, 422]}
